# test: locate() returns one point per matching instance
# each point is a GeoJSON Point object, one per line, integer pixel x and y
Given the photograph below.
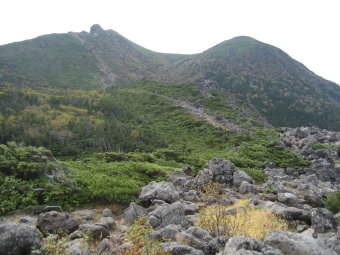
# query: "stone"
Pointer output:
{"type": "Point", "coordinates": [105, 247]}
{"type": "Point", "coordinates": [181, 181]}
{"type": "Point", "coordinates": [96, 232]}
{"type": "Point", "coordinates": [167, 233]}
{"type": "Point", "coordinates": [107, 213]}
{"type": "Point", "coordinates": [77, 247]}
{"type": "Point", "coordinates": [133, 212]}
{"type": "Point", "coordinates": [240, 245]}
{"type": "Point", "coordinates": [246, 188]}
{"type": "Point", "coordinates": [322, 220]}
{"type": "Point", "coordinates": [165, 191]}
{"type": "Point", "coordinates": [187, 170]}
{"type": "Point", "coordinates": [18, 238]}
{"type": "Point", "coordinates": [204, 177]}
{"type": "Point", "coordinates": [179, 249]}
{"type": "Point", "coordinates": [167, 214]}
{"type": "Point", "coordinates": [289, 199]}
{"type": "Point", "coordinates": [240, 176]}
{"type": "Point", "coordinates": [56, 222]}
{"type": "Point", "coordinates": [313, 198]}
{"type": "Point", "coordinates": [190, 208]}
{"type": "Point", "coordinates": [106, 222]}
{"type": "Point", "coordinates": [223, 170]}
{"type": "Point", "coordinates": [293, 243]}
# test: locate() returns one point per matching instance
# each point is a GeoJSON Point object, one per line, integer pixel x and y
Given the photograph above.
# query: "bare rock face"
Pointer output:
{"type": "Point", "coordinates": [322, 220]}
{"type": "Point", "coordinates": [240, 245]}
{"type": "Point", "coordinates": [133, 212]}
{"type": "Point", "coordinates": [167, 214]}
{"type": "Point", "coordinates": [293, 243]}
{"type": "Point", "coordinates": [18, 239]}
{"type": "Point", "coordinates": [165, 191]}
{"type": "Point", "coordinates": [55, 222]}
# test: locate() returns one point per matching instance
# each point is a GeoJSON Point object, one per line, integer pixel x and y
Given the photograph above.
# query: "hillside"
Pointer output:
{"type": "Point", "coordinates": [282, 89]}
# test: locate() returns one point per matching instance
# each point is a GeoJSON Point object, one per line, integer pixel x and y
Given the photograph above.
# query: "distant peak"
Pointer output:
{"type": "Point", "coordinates": [97, 30]}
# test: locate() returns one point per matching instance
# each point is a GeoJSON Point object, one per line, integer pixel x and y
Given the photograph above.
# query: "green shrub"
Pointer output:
{"type": "Point", "coordinates": [332, 203]}
{"type": "Point", "coordinates": [257, 174]}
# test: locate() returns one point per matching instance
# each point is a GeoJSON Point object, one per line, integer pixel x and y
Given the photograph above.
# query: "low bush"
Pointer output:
{"type": "Point", "coordinates": [240, 220]}
{"type": "Point", "coordinates": [332, 203]}
{"type": "Point", "coordinates": [257, 174]}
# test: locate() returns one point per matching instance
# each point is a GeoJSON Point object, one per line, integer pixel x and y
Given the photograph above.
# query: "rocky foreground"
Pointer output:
{"type": "Point", "coordinates": [172, 208]}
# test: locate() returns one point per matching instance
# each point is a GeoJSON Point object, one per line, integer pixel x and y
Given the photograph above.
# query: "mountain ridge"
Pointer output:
{"type": "Point", "coordinates": [282, 89]}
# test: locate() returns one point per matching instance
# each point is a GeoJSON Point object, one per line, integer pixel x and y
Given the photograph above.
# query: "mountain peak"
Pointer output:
{"type": "Point", "coordinates": [96, 30]}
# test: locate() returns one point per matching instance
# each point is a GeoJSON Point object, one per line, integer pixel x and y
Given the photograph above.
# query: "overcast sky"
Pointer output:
{"type": "Point", "coordinates": [308, 30]}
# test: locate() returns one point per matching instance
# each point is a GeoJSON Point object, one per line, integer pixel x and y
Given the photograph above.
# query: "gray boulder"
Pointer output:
{"type": "Point", "coordinates": [165, 191]}
{"type": "Point", "coordinates": [179, 249]}
{"type": "Point", "coordinates": [181, 181]}
{"type": "Point", "coordinates": [55, 222]}
{"type": "Point", "coordinates": [18, 239]}
{"type": "Point", "coordinates": [204, 177]}
{"type": "Point", "coordinates": [246, 188]}
{"type": "Point", "coordinates": [313, 198]}
{"type": "Point", "coordinates": [133, 212]}
{"type": "Point", "coordinates": [190, 208]}
{"type": "Point", "coordinates": [167, 233]}
{"type": "Point", "coordinates": [107, 213]}
{"type": "Point", "coordinates": [167, 214]}
{"type": "Point", "coordinates": [106, 222]}
{"type": "Point", "coordinates": [288, 199]}
{"type": "Point", "coordinates": [240, 245]}
{"type": "Point", "coordinates": [293, 243]}
{"type": "Point", "coordinates": [240, 176]}
{"type": "Point", "coordinates": [94, 231]}
{"type": "Point", "coordinates": [223, 170]}
{"type": "Point", "coordinates": [77, 247]}
{"type": "Point", "coordinates": [322, 220]}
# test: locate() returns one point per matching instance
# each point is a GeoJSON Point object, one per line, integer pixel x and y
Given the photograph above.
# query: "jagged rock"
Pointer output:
{"type": "Point", "coordinates": [332, 242]}
{"type": "Point", "coordinates": [246, 187]}
{"type": "Point", "coordinates": [293, 243]}
{"type": "Point", "coordinates": [187, 170]}
{"type": "Point", "coordinates": [191, 196]}
{"type": "Point", "coordinates": [325, 170]}
{"type": "Point", "coordinates": [182, 182]}
{"type": "Point", "coordinates": [77, 247]}
{"type": "Point", "coordinates": [107, 213]}
{"type": "Point", "coordinates": [240, 245]}
{"type": "Point", "coordinates": [133, 212]}
{"type": "Point", "coordinates": [277, 174]}
{"type": "Point", "coordinates": [313, 198]}
{"type": "Point", "coordinates": [208, 246]}
{"type": "Point", "coordinates": [223, 170]}
{"type": "Point", "coordinates": [278, 187]}
{"type": "Point", "coordinates": [106, 222]}
{"type": "Point", "coordinates": [190, 208]}
{"type": "Point", "coordinates": [204, 177]}
{"type": "Point", "coordinates": [322, 220]}
{"type": "Point", "coordinates": [288, 199]}
{"type": "Point", "coordinates": [167, 214]}
{"type": "Point", "coordinates": [55, 222]}
{"type": "Point", "coordinates": [97, 232]}
{"type": "Point", "coordinates": [18, 238]}
{"type": "Point", "coordinates": [240, 176]}
{"type": "Point", "coordinates": [165, 191]}
{"type": "Point", "coordinates": [167, 233]}
{"type": "Point", "coordinates": [106, 246]}
{"type": "Point", "coordinates": [179, 249]}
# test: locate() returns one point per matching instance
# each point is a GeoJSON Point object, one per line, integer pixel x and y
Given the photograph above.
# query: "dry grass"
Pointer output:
{"type": "Point", "coordinates": [240, 220]}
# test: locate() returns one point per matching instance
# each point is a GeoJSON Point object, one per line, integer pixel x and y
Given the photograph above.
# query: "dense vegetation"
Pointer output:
{"type": "Point", "coordinates": [282, 89]}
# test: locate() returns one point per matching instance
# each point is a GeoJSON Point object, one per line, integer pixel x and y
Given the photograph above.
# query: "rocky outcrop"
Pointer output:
{"type": "Point", "coordinates": [239, 245]}
{"type": "Point", "coordinates": [55, 222]}
{"type": "Point", "coordinates": [165, 191]}
{"type": "Point", "coordinates": [292, 243]}
{"type": "Point", "coordinates": [322, 220]}
{"type": "Point", "coordinates": [167, 214]}
{"type": "Point", "coordinates": [133, 212]}
{"type": "Point", "coordinates": [18, 239]}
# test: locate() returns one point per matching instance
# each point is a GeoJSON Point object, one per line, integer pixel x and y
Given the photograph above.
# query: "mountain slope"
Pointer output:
{"type": "Point", "coordinates": [282, 89]}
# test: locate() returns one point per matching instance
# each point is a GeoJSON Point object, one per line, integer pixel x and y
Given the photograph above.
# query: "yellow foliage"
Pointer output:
{"type": "Point", "coordinates": [134, 133]}
{"type": "Point", "coordinates": [69, 108]}
{"type": "Point", "coordinates": [240, 220]}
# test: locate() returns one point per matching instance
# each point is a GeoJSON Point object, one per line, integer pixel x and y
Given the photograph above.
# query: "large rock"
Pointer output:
{"type": "Point", "coordinates": [217, 170]}
{"type": "Point", "coordinates": [325, 170]}
{"type": "Point", "coordinates": [240, 245]}
{"type": "Point", "coordinates": [179, 249]}
{"type": "Point", "coordinates": [55, 222]}
{"type": "Point", "coordinates": [167, 233]}
{"type": "Point", "coordinates": [322, 220]}
{"type": "Point", "coordinates": [246, 187]}
{"type": "Point", "coordinates": [199, 239]}
{"type": "Point", "coordinates": [77, 247]}
{"type": "Point", "coordinates": [133, 212]}
{"type": "Point", "coordinates": [181, 181]}
{"type": "Point", "coordinates": [96, 232]}
{"type": "Point", "coordinates": [167, 214]}
{"type": "Point", "coordinates": [240, 176]}
{"type": "Point", "coordinates": [296, 244]}
{"type": "Point", "coordinates": [18, 239]}
{"type": "Point", "coordinates": [165, 191]}
{"type": "Point", "coordinates": [288, 199]}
